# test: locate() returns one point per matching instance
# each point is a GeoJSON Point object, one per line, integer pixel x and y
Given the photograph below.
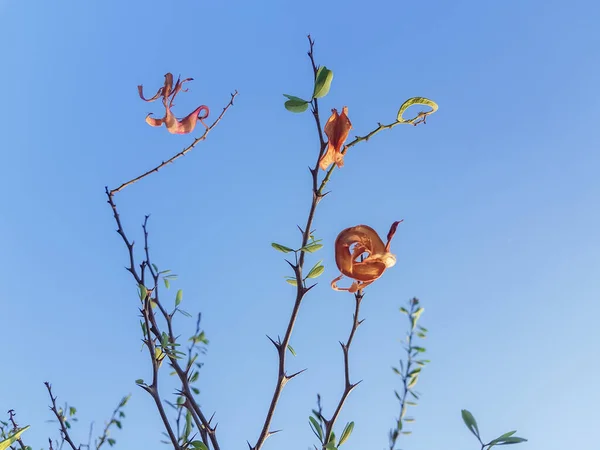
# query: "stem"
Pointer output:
{"type": "Point", "coordinates": [301, 290]}
{"type": "Point", "coordinates": [61, 420]}
{"type": "Point", "coordinates": [348, 386]}
{"type": "Point", "coordinates": [11, 415]}
{"type": "Point", "coordinates": [181, 153]}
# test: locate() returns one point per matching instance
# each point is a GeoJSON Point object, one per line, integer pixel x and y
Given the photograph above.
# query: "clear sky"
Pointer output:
{"type": "Point", "coordinates": [499, 193]}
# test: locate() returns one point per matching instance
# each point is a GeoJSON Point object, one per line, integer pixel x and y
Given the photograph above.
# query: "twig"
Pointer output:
{"type": "Point", "coordinates": [61, 419]}
{"type": "Point", "coordinates": [409, 372]}
{"type": "Point", "coordinates": [348, 386]}
{"type": "Point", "coordinates": [152, 327]}
{"type": "Point", "coordinates": [11, 415]}
{"type": "Point", "coordinates": [200, 419]}
{"type": "Point", "coordinates": [417, 120]}
{"type": "Point", "coordinates": [181, 153]}
{"type": "Point", "coordinates": [301, 290]}
{"type": "Point", "coordinates": [113, 419]}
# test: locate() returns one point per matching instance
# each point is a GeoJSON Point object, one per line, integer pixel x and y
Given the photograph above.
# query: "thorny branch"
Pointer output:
{"type": "Point", "coordinates": [151, 328]}
{"type": "Point", "coordinates": [63, 429]}
{"type": "Point", "coordinates": [11, 416]}
{"type": "Point", "coordinates": [301, 289]}
{"type": "Point", "coordinates": [113, 419]}
{"type": "Point", "coordinates": [181, 153]}
{"type": "Point", "coordinates": [348, 386]}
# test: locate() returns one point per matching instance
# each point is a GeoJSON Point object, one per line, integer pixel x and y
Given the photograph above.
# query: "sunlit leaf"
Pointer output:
{"type": "Point", "coordinates": [317, 270]}
{"type": "Point", "coordinates": [346, 433]}
{"type": "Point", "coordinates": [12, 438]}
{"type": "Point", "coordinates": [178, 297]}
{"type": "Point", "coordinates": [322, 82]}
{"type": "Point", "coordinates": [311, 248]}
{"type": "Point", "coordinates": [416, 101]}
{"type": "Point", "coordinates": [199, 445]}
{"type": "Point", "coordinates": [295, 104]}
{"type": "Point", "coordinates": [291, 349]}
{"type": "Point", "coordinates": [281, 248]}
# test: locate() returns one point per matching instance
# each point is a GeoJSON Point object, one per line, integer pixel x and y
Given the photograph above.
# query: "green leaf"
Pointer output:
{"type": "Point", "coordinates": [292, 281]}
{"type": "Point", "coordinates": [316, 271]}
{"type": "Point", "coordinates": [167, 282]}
{"type": "Point", "coordinates": [124, 401]}
{"type": "Point", "coordinates": [12, 438]}
{"type": "Point", "coordinates": [188, 425]}
{"type": "Point", "coordinates": [291, 349]}
{"type": "Point", "coordinates": [118, 424]}
{"type": "Point", "coordinates": [139, 381]}
{"type": "Point", "coordinates": [403, 310]}
{"type": "Point", "coordinates": [506, 439]}
{"type": "Point", "coordinates": [295, 104]}
{"type": "Point", "coordinates": [470, 422]}
{"type": "Point", "coordinates": [501, 438]}
{"type": "Point", "coordinates": [155, 267]}
{"type": "Point", "coordinates": [331, 446]}
{"type": "Point", "coordinates": [417, 314]}
{"type": "Point", "coordinates": [178, 297]}
{"type": "Point", "coordinates": [346, 433]}
{"type": "Point", "coordinates": [322, 82]}
{"type": "Point", "coordinates": [311, 248]}
{"type": "Point", "coordinates": [199, 445]}
{"type": "Point", "coordinates": [72, 411]}
{"type": "Point", "coordinates": [512, 440]}
{"type": "Point", "coordinates": [195, 390]}
{"type": "Point", "coordinates": [332, 438]}
{"type": "Point", "coordinates": [412, 382]}
{"type": "Point", "coordinates": [418, 349]}
{"type": "Point", "coordinates": [143, 291]}
{"type": "Point", "coordinates": [416, 101]}
{"type": "Point", "coordinates": [111, 442]}
{"type": "Point", "coordinates": [316, 427]}
{"type": "Point", "coordinates": [281, 248]}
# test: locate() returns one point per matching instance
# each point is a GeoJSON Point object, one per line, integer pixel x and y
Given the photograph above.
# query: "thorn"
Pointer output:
{"type": "Point", "coordinates": [211, 418]}
{"type": "Point", "coordinates": [301, 231]}
{"type": "Point", "coordinates": [309, 288]}
{"type": "Point", "coordinates": [273, 342]}
{"type": "Point", "coordinates": [249, 446]}
{"type": "Point", "coordinates": [361, 321]}
{"type": "Point", "coordinates": [291, 265]}
{"type": "Point", "coordinates": [295, 374]}
{"type": "Point", "coordinates": [271, 433]}
{"type": "Point", "coordinates": [352, 386]}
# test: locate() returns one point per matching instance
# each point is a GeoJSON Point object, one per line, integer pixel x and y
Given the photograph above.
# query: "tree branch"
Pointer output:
{"type": "Point", "coordinates": [181, 153]}
{"type": "Point", "coordinates": [61, 419]}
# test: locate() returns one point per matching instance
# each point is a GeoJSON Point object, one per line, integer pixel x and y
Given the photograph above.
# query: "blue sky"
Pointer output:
{"type": "Point", "coordinates": [498, 193]}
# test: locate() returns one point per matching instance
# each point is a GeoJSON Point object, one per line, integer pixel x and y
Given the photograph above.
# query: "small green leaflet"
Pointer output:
{"type": "Point", "coordinates": [295, 104]}
{"type": "Point", "coordinates": [346, 433]}
{"type": "Point", "coordinates": [416, 101]}
{"type": "Point", "coordinates": [470, 422]}
{"type": "Point", "coordinates": [311, 248]}
{"type": "Point", "coordinates": [322, 82]}
{"type": "Point", "coordinates": [178, 297]}
{"type": "Point", "coordinates": [281, 248]}
{"type": "Point", "coordinates": [316, 427]}
{"type": "Point", "coordinates": [317, 270]}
